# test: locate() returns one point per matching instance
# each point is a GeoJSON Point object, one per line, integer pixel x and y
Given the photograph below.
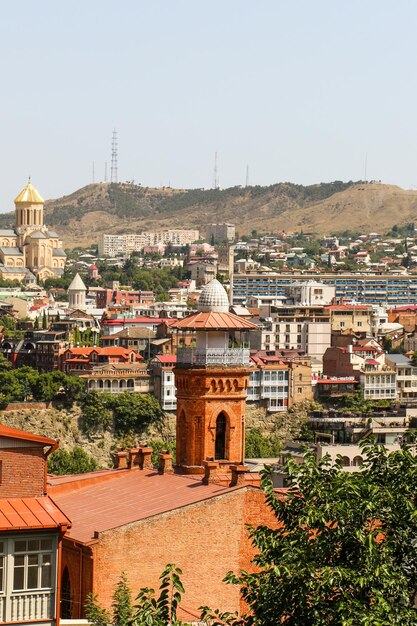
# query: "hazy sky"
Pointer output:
{"type": "Point", "coordinates": [300, 90]}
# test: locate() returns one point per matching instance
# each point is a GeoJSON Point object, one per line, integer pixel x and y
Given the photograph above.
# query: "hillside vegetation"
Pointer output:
{"type": "Point", "coordinates": [83, 215]}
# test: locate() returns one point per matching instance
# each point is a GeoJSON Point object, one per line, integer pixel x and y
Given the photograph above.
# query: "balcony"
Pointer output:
{"type": "Point", "coordinates": [213, 356]}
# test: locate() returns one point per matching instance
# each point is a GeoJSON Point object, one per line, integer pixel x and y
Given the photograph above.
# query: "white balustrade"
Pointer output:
{"type": "Point", "coordinates": [213, 356]}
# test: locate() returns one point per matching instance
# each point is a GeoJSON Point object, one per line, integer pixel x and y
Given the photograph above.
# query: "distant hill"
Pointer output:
{"type": "Point", "coordinates": [82, 216]}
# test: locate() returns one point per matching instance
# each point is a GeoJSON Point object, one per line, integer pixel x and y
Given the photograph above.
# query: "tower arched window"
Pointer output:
{"type": "Point", "coordinates": [220, 444]}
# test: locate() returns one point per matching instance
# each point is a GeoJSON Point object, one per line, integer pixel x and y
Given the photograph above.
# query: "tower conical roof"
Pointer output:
{"type": "Point", "coordinates": [77, 284]}
{"type": "Point", "coordinates": [29, 194]}
{"type": "Point", "coordinates": [213, 298]}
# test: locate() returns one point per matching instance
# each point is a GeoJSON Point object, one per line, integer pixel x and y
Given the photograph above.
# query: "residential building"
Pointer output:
{"type": "Point", "coordinates": [31, 531]}
{"type": "Point", "coordinates": [305, 328]}
{"type": "Point", "coordinates": [310, 293]}
{"type": "Point", "coordinates": [218, 233]}
{"type": "Point", "coordinates": [125, 244]}
{"type": "Point", "coordinates": [137, 338]}
{"type": "Point", "coordinates": [366, 363]}
{"type": "Point", "coordinates": [406, 377]}
{"type": "Point", "coordinates": [118, 378]}
{"type": "Point", "coordinates": [354, 317]}
{"type": "Point", "coordinates": [163, 380]}
{"type": "Point", "coordinates": [366, 288]}
{"type": "Point", "coordinates": [79, 360]}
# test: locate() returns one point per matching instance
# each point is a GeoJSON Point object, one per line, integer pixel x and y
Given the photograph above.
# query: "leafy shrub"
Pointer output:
{"type": "Point", "coordinates": [77, 461]}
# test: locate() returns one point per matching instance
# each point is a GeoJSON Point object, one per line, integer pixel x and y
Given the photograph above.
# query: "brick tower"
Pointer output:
{"type": "Point", "coordinates": [211, 381]}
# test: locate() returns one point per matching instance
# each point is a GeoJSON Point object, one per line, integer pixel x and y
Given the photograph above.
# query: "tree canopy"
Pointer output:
{"type": "Point", "coordinates": [344, 550]}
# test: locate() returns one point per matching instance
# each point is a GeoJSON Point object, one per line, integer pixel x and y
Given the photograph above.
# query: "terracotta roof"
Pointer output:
{"type": "Point", "coordinates": [15, 433]}
{"type": "Point", "coordinates": [131, 495]}
{"type": "Point", "coordinates": [214, 321]}
{"type": "Point", "coordinates": [31, 513]}
{"type": "Point", "coordinates": [166, 358]}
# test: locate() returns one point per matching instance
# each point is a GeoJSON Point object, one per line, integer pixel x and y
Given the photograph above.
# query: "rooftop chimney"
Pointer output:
{"type": "Point", "coordinates": [120, 459]}
{"type": "Point", "coordinates": [165, 463]}
{"type": "Point", "coordinates": [210, 472]}
{"type": "Point", "coordinates": [134, 457]}
{"type": "Point", "coordinates": [238, 475]}
{"type": "Point", "coordinates": [145, 458]}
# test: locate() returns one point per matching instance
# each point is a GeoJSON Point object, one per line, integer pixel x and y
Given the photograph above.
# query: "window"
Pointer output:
{"type": "Point", "coordinates": [359, 323]}
{"type": "Point", "coordinates": [32, 567]}
{"type": "Point", "coordinates": [299, 390]}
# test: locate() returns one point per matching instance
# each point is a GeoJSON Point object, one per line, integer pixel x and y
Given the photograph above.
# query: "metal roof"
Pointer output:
{"type": "Point", "coordinates": [214, 321]}
{"type": "Point", "coordinates": [31, 513]}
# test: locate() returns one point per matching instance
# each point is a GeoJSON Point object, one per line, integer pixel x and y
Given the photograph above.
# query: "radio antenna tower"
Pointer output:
{"type": "Point", "coordinates": [247, 176]}
{"type": "Point", "coordinates": [215, 173]}
{"type": "Point", "coordinates": [113, 168]}
{"type": "Point", "coordinates": [105, 171]}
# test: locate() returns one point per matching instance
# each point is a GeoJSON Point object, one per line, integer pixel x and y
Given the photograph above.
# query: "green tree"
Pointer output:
{"type": "Point", "coordinates": [162, 610]}
{"type": "Point", "coordinates": [343, 551]}
{"type": "Point", "coordinates": [44, 320]}
{"type": "Point", "coordinates": [261, 447]}
{"type": "Point", "coordinates": [96, 416]}
{"type": "Point", "coordinates": [133, 411]}
{"type": "Point", "coordinates": [122, 603]}
{"type": "Point", "coordinates": [95, 615]}
{"type": "Point", "coordinates": [77, 461]}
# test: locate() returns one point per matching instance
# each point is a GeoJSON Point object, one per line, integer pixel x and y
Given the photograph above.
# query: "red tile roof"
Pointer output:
{"type": "Point", "coordinates": [142, 319]}
{"type": "Point", "coordinates": [166, 358]}
{"type": "Point", "coordinates": [347, 307]}
{"type": "Point", "coordinates": [214, 321]}
{"type": "Point", "coordinates": [130, 496]}
{"type": "Point", "coordinates": [31, 513]}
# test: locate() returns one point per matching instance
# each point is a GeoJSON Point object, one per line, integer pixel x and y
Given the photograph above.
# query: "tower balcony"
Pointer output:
{"type": "Point", "coordinates": [213, 356]}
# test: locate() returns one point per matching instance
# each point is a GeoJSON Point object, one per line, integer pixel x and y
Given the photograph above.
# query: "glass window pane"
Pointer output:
{"type": "Point", "coordinates": [1, 547]}
{"type": "Point", "coordinates": [18, 578]}
{"type": "Point", "coordinates": [46, 544]}
{"type": "Point", "coordinates": [20, 546]}
{"type": "Point", "coordinates": [33, 545]}
{"type": "Point", "coordinates": [32, 577]}
{"type": "Point", "coordinates": [46, 575]}
{"type": "Point", "coordinates": [19, 561]}
{"type": "Point", "coordinates": [32, 559]}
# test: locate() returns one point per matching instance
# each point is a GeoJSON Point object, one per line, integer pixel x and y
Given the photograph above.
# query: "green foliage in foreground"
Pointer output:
{"type": "Point", "coordinates": [149, 610]}
{"type": "Point", "coordinates": [344, 552]}
{"type": "Point", "coordinates": [75, 462]}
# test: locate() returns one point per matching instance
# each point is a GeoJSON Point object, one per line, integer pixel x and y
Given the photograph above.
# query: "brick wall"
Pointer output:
{"type": "Point", "coordinates": [205, 540]}
{"type": "Point", "coordinates": [22, 472]}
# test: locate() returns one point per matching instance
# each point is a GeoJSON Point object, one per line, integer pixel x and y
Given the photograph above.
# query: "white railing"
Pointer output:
{"type": "Point", "coordinates": [31, 606]}
{"type": "Point", "coordinates": [213, 356]}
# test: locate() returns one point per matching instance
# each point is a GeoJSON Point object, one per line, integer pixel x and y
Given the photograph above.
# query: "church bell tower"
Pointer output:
{"type": "Point", "coordinates": [212, 380]}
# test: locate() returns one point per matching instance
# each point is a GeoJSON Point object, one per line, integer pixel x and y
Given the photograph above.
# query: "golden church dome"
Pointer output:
{"type": "Point", "coordinates": [29, 195]}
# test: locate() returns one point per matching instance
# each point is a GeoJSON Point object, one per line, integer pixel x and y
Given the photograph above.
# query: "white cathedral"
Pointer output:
{"type": "Point", "coordinates": [30, 251]}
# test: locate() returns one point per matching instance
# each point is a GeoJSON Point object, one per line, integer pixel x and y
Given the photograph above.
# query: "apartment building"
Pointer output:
{"type": "Point", "coordinates": [305, 328]}
{"type": "Point", "coordinates": [163, 379]}
{"type": "Point", "coordinates": [366, 363]}
{"type": "Point", "coordinates": [406, 377]}
{"type": "Point", "coordinates": [125, 244]}
{"type": "Point", "coordinates": [221, 232]}
{"type": "Point", "coordinates": [382, 289]}
{"type": "Point", "coordinates": [355, 317]}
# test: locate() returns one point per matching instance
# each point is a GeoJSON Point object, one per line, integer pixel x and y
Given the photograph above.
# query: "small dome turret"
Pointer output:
{"type": "Point", "coordinates": [213, 298]}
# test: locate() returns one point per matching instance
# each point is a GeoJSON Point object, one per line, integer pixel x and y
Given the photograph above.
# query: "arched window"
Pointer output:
{"type": "Point", "coordinates": [66, 595]}
{"type": "Point", "coordinates": [220, 445]}
{"type": "Point", "coordinates": [357, 461]}
{"type": "Point", "coordinates": [346, 461]}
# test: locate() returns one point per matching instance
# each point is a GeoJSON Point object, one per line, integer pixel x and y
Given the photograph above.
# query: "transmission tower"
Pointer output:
{"type": "Point", "coordinates": [105, 172]}
{"type": "Point", "coordinates": [215, 173]}
{"type": "Point", "coordinates": [247, 176]}
{"type": "Point", "coordinates": [113, 168]}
